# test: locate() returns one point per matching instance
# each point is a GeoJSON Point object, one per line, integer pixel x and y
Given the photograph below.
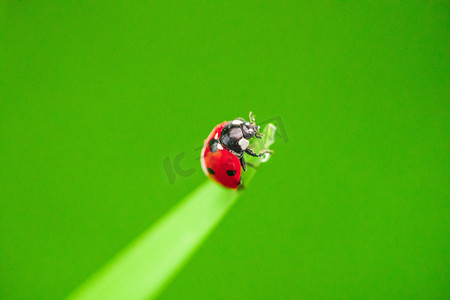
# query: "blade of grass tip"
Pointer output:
{"type": "Point", "coordinates": [258, 145]}
{"type": "Point", "coordinates": [145, 266]}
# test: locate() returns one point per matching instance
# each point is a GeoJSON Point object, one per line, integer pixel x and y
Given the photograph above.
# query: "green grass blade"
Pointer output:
{"type": "Point", "coordinates": [258, 145]}
{"type": "Point", "coordinates": [142, 269]}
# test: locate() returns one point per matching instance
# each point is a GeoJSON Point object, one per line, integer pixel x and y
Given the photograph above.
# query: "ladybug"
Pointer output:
{"type": "Point", "coordinates": [223, 152]}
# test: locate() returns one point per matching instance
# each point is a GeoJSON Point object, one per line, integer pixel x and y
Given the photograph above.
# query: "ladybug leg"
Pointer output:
{"type": "Point", "coordinates": [261, 153]}
{"type": "Point", "coordinates": [250, 152]}
{"type": "Point", "coordinates": [240, 186]}
{"type": "Point", "coordinates": [243, 163]}
{"type": "Point", "coordinates": [251, 165]}
{"type": "Point", "coordinates": [264, 151]}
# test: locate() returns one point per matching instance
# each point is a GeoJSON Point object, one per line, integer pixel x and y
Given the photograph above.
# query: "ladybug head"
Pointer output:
{"type": "Point", "coordinates": [251, 130]}
{"type": "Point", "coordinates": [236, 134]}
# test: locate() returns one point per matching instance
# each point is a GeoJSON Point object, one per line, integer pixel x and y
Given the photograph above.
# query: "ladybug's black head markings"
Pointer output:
{"type": "Point", "coordinates": [236, 134]}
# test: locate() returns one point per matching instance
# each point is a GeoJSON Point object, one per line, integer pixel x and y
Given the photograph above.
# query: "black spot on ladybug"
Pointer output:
{"type": "Point", "coordinates": [231, 172]}
{"type": "Point", "coordinates": [213, 145]}
{"type": "Point", "coordinates": [210, 171]}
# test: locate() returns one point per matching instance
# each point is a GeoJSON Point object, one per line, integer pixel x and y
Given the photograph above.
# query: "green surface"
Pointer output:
{"type": "Point", "coordinates": [355, 204]}
{"type": "Point", "coordinates": [148, 264]}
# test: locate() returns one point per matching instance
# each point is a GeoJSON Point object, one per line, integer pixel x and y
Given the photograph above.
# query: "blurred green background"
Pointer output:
{"type": "Point", "coordinates": [94, 97]}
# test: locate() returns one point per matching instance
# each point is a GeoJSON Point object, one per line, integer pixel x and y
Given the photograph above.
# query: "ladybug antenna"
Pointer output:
{"type": "Point", "coordinates": [252, 118]}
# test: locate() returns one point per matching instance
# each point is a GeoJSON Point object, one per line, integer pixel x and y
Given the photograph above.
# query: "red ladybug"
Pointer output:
{"type": "Point", "coordinates": [223, 152]}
